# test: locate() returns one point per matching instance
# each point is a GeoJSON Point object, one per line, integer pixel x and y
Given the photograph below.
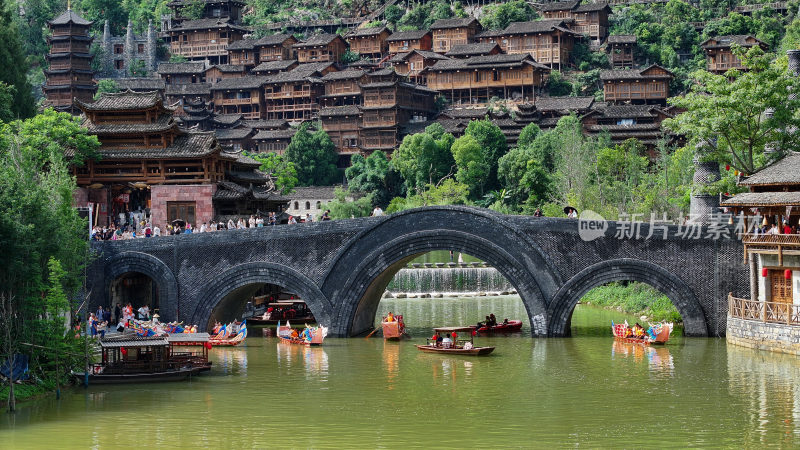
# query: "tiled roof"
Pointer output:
{"type": "Point", "coordinates": [274, 65]}
{"type": "Point", "coordinates": [274, 39]}
{"type": "Point", "coordinates": [386, 71]}
{"type": "Point", "coordinates": [274, 134]}
{"type": "Point", "coordinates": [242, 160]}
{"type": "Point", "coordinates": [622, 39]}
{"type": "Point", "coordinates": [164, 122]}
{"type": "Point", "coordinates": [453, 23]}
{"type": "Point", "coordinates": [764, 199]}
{"type": "Point", "coordinates": [231, 68]}
{"type": "Point", "coordinates": [487, 62]}
{"type": "Point", "coordinates": [633, 127]}
{"type": "Point", "coordinates": [350, 110]}
{"type": "Point", "coordinates": [534, 26]}
{"type": "Point", "coordinates": [469, 113]}
{"type": "Point", "coordinates": [299, 73]}
{"type": "Point", "coordinates": [727, 40]}
{"type": "Point", "coordinates": [69, 16]}
{"type": "Point", "coordinates": [472, 49]}
{"type": "Point", "coordinates": [319, 39]}
{"type": "Point", "coordinates": [251, 82]}
{"type": "Point", "coordinates": [204, 24]}
{"type": "Point", "coordinates": [188, 89]}
{"type": "Point", "coordinates": [313, 193]}
{"type": "Point", "coordinates": [784, 171]}
{"type": "Point", "coordinates": [631, 74]}
{"type": "Point", "coordinates": [273, 124]}
{"type": "Point", "coordinates": [227, 119]}
{"type": "Point", "coordinates": [242, 44]}
{"type": "Point", "coordinates": [193, 144]}
{"type": "Point", "coordinates": [363, 32]}
{"type": "Point", "coordinates": [234, 133]}
{"type": "Point", "coordinates": [489, 34]}
{"type": "Point", "coordinates": [140, 84]}
{"type": "Point", "coordinates": [127, 100]}
{"type": "Point", "coordinates": [589, 7]}
{"type": "Point", "coordinates": [625, 111]}
{"type": "Point", "coordinates": [347, 74]}
{"type": "Point", "coordinates": [133, 341]}
{"type": "Point", "coordinates": [563, 103]}
{"type": "Point", "coordinates": [559, 6]}
{"type": "Point", "coordinates": [407, 35]}
{"type": "Point", "coordinates": [181, 68]}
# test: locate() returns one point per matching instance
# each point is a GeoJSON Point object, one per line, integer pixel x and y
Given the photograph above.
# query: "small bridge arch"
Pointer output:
{"type": "Point", "coordinates": [160, 273]}
{"type": "Point", "coordinates": [626, 269]}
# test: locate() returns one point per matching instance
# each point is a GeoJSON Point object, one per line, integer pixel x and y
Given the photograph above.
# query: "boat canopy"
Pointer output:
{"type": "Point", "coordinates": [133, 342]}
{"type": "Point", "coordinates": [451, 329]}
{"type": "Point", "coordinates": [187, 337]}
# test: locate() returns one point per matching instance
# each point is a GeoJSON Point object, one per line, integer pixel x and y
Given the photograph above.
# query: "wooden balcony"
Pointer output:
{"type": "Point", "coordinates": [287, 94]}
{"type": "Point", "coordinates": [199, 49]}
{"type": "Point", "coordinates": [772, 244]}
{"type": "Point", "coordinates": [770, 312]}
{"type": "Point", "coordinates": [297, 107]}
{"type": "Point", "coordinates": [724, 66]}
{"type": "Point", "coordinates": [237, 101]}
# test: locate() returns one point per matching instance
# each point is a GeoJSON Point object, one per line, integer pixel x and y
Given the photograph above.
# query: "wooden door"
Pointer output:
{"type": "Point", "coordinates": [181, 210]}
{"type": "Point", "coordinates": [781, 290]}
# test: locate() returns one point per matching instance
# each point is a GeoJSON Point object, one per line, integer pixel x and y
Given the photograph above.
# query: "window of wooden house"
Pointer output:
{"type": "Point", "coordinates": [119, 64]}
{"type": "Point", "coordinates": [118, 49]}
{"type": "Point", "coordinates": [140, 48]}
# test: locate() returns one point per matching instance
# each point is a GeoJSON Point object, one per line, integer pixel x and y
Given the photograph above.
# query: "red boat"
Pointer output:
{"type": "Point", "coordinates": [512, 326]}
{"type": "Point", "coordinates": [393, 330]}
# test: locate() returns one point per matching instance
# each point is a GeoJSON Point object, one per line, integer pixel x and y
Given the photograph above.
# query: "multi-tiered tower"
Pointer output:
{"type": "Point", "coordinates": [70, 75]}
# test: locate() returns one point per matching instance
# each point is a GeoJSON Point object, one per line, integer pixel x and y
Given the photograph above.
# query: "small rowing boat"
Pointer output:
{"type": "Point", "coordinates": [658, 333]}
{"type": "Point", "coordinates": [309, 336]}
{"type": "Point", "coordinates": [393, 327]}
{"type": "Point", "coordinates": [451, 343]}
{"type": "Point", "coordinates": [512, 326]}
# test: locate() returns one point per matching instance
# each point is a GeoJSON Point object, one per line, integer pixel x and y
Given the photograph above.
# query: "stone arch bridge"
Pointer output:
{"type": "Point", "coordinates": [341, 268]}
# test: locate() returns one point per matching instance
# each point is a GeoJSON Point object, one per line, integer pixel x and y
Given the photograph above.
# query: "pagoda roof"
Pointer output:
{"type": "Point", "coordinates": [125, 101]}
{"type": "Point", "coordinates": [163, 123]}
{"type": "Point", "coordinates": [69, 16]}
{"type": "Point", "coordinates": [192, 144]}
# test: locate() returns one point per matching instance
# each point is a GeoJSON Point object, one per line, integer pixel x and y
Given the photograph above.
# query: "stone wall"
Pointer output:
{"type": "Point", "coordinates": [200, 194]}
{"type": "Point", "coordinates": [764, 336]}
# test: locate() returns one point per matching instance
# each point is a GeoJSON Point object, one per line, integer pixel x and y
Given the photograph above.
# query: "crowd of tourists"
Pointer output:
{"type": "Point", "coordinates": [145, 229]}
{"type": "Point", "coordinates": [105, 319]}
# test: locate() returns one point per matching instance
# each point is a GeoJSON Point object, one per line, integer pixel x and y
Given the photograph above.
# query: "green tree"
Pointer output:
{"type": "Point", "coordinates": [557, 86]}
{"type": "Point", "coordinates": [393, 14]}
{"type": "Point", "coordinates": [621, 170]}
{"type": "Point", "coordinates": [497, 16]}
{"type": "Point", "coordinates": [137, 69]}
{"type": "Point", "coordinates": [175, 58]}
{"type": "Point", "coordinates": [425, 158]}
{"type": "Point", "coordinates": [276, 166]}
{"type": "Point", "coordinates": [194, 10]}
{"type": "Point", "coordinates": [375, 175]}
{"type": "Point", "coordinates": [473, 166]}
{"type": "Point", "coordinates": [6, 102]}
{"type": "Point", "coordinates": [98, 11]}
{"type": "Point", "coordinates": [447, 192]}
{"type": "Point", "coordinates": [524, 177]}
{"type": "Point", "coordinates": [105, 86]}
{"type": "Point", "coordinates": [314, 157]}
{"type": "Point", "coordinates": [13, 64]}
{"type": "Point", "coordinates": [52, 133]}
{"type": "Point", "coordinates": [343, 208]}
{"type": "Point", "coordinates": [493, 145]}
{"type": "Point", "coordinates": [350, 57]}
{"type": "Point", "coordinates": [141, 12]}
{"type": "Point", "coordinates": [726, 112]}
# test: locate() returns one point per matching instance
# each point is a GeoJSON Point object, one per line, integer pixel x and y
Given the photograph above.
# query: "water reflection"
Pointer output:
{"type": "Point", "coordinates": [768, 382]}
{"type": "Point", "coordinates": [314, 359]}
{"type": "Point", "coordinates": [230, 359]}
{"type": "Point", "coordinates": [391, 360]}
{"type": "Point", "coordinates": [659, 359]}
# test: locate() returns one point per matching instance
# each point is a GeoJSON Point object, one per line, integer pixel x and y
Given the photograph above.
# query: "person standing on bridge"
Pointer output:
{"type": "Point", "coordinates": [377, 212]}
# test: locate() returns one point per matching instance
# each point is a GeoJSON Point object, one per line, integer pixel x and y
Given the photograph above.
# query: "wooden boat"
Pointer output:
{"type": "Point", "coordinates": [190, 348]}
{"type": "Point", "coordinates": [512, 326]}
{"type": "Point", "coordinates": [135, 359]}
{"type": "Point", "coordinates": [309, 336]}
{"type": "Point", "coordinates": [282, 311]}
{"type": "Point", "coordinates": [394, 330]}
{"type": "Point", "coordinates": [657, 333]}
{"type": "Point", "coordinates": [458, 346]}
{"type": "Point", "coordinates": [229, 335]}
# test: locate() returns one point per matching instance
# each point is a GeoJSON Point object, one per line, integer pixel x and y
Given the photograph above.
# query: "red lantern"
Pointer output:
{"type": "Point", "coordinates": [474, 332]}
{"type": "Point", "coordinates": [208, 345]}
{"type": "Point", "coordinates": [764, 272]}
{"type": "Point", "coordinates": [727, 167]}
{"type": "Point", "coordinates": [123, 350]}
{"type": "Point", "coordinates": [787, 274]}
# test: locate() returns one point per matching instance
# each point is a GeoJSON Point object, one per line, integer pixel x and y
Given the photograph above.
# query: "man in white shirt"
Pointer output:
{"type": "Point", "coordinates": [203, 228]}
{"type": "Point", "coordinates": [142, 313]}
{"type": "Point", "coordinates": [156, 231]}
{"type": "Point", "coordinates": [377, 211]}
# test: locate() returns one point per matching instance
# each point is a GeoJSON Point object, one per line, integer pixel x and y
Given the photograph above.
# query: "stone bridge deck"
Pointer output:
{"type": "Point", "coordinates": [341, 268]}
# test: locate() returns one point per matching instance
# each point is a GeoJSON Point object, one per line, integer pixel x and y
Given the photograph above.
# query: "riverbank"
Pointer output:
{"type": "Point", "coordinates": [638, 299]}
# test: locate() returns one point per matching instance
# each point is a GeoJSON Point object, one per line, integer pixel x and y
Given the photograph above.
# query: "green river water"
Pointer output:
{"type": "Point", "coordinates": [585, 391]}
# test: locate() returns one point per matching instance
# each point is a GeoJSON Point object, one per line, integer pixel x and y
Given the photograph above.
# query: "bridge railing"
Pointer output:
{"type": "Point", "coordinates": [772, 312]}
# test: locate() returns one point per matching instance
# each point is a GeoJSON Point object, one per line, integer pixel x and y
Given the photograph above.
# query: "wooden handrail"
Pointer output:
{"type": "Point", "coordinates": [770, 312]}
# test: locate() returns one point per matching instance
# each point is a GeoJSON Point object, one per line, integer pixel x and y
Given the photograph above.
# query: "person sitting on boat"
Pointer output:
{"type": "Point", "coordinates": [505, 321]}
{"type": "Point", "coordinates": [390, 317]}
{"type": "Point", "coordinates": [439, 340]}
{"type": "Point", "coordinates": [638, 331]}
{"type": "Point", "coordinates": [493, 319]}
{"type": "Point", "coordinates": [294, 334]}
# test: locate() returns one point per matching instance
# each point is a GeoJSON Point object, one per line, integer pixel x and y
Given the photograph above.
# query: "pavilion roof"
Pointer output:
{"type": "Point", "coordinates": [785, 171]}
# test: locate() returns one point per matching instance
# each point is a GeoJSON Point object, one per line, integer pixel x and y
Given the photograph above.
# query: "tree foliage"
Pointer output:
{"type": "Point", "coordinates": [13, 64]}
{"type": "Point", "coordinates": [278, 167]}
{"type": "Point", "coordinates": [104, 87]}
{"type": "Point", "coordinates": [726, 113]}
{"type": "Point", "coordinates": [497, 16]}
{"type": "Point", "coordinates": [343, 208]}
{"type": "Point", "coordinates": [314, 157]}
{"type": "Point", "coordinates": [425, 158]}
{"type": "Point", "coordinates": [375, 175]}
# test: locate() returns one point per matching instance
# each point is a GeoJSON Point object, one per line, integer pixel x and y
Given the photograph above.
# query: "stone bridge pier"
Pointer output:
{"type": "Point", "coordinates": [341, 268]}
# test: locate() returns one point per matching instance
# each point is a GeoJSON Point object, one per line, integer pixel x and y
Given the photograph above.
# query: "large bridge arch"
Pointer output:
{"type": "Point", "coordinates": [154, 268]}
{"type": "Point", "coordinates": [364, 267]}
{"type": "Point", "coordinates": [626, 269]}
{"type": "Point", "coordinates": [259, 272]}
